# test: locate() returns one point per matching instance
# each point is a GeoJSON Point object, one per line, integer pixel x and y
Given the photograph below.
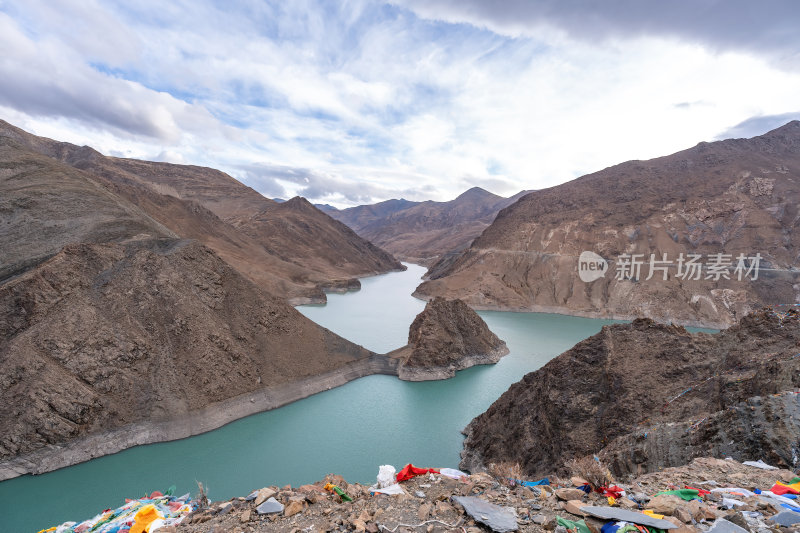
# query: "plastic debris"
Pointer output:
{"type": "Point", "coordinates": [498, 519]}
{"type": "Point", "coordinates": [391, 489]}
{"type": "Point", "coordinates": [684, 494]}
{"type": "Point", "coordinates": [573, 525]}
{"type": "Point", "coordinates": [410, 471]}
{"type": "Point", "coordinates": [783, 488]}
{"type": "Point", "coordinates": [736, 491]}
{"type": "Point", "coordinates": [452, 473]}
{"type": "Point", "coordinates": [543, 481]}
{"type": "Point", "coordinates": [760, 464]}
{"type": "Point", "coordinates": [386, 476]}
{"type": "Point", "coordinates": [136, 516]}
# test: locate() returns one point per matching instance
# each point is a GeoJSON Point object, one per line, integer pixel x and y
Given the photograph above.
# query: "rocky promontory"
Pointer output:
{"type": "Point", "coordinates": [447, 336]}
{"type": "Point", "coordinates": [645, 396]}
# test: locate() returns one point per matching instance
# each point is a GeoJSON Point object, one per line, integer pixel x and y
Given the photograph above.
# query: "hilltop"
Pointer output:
{"type": "Point", "coordinates": [422, 232]}
{"type": "Point", "coordinates": [736, 197]}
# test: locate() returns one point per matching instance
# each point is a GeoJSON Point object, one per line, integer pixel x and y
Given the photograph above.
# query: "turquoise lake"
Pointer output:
{"type": "Point", "coordinates": [350, 430]}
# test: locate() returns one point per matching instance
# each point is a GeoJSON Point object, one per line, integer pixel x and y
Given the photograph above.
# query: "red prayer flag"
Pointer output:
{"type": "Point", "coordinates": [410, 471]}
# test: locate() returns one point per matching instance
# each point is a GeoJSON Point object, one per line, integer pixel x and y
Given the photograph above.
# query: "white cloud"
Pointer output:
{"type": "Point", "coordinates": [369, 101]}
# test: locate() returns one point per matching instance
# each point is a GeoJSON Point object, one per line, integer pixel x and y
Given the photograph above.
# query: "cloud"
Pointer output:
{"type": "Point", "coordinates": [768, 28]}
{"type": "Point", "coordinates": [360, 101]}
{"type": "Point", "coordinates": [284, 181]}
{"type": "Point", "coordinates": [42, 78]}
{"type": "Point", "coordinates": [757, 125]}
{"type": "Point", "coordinates": [170, 156]}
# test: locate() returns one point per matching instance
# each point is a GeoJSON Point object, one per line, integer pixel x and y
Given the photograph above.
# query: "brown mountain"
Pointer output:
{"type": "Point", "coordinates": [646, 396]}
{"type": "Point", "coordinates": [732, 197]}
{"type": "Point", "coordinates": [290, 249]}
{"type": "Point", "coordinates": [45, 204]}
{"type": "Point", "coordinates": [422, 232]}
{"type": "Point", "coordinates": [105, 346]}
{"type": "Point", "coordinates": [114, 331]}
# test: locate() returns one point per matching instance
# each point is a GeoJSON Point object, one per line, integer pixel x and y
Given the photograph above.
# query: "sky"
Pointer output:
{"type": "Point", "coordinates": [357, 101]}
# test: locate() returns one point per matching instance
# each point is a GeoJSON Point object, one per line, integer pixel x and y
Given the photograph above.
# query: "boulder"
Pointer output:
{"type": "Point", "coordinates": [270, 506]}
{"type": "Point", "coordinates": [292, 508]}
{"type": "Point", "coordinates": [665, 504]}
{"type": "Point", "coordinates": [570, 494]}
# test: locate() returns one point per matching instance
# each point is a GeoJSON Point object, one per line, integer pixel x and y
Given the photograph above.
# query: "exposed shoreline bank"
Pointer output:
{"type": "Point", "coordinates": [584, 314]}
{"type": "Point", "coordinates": [193, 423]}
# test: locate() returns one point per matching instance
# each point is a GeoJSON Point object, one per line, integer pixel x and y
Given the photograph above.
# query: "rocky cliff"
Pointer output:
{"type": "Point", "coordinates": [644, 396]}
{"type": "Point", "coordinates": [709, 204]}
{"type": "Point", "coordinates": [445, 337]}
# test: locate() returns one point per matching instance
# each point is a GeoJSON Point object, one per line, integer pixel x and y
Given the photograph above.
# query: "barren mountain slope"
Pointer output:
{"type": "Point", "coordinates": [329, 254]}
{"type": "Point", "coordinates": [738, 196]}
{"type": "Point", "coordinates": [445, 337]}
{"type": "Point", "coordinates": [424, 231]}
{"type": "Point", "coordinates": [45, 204]}
{"type": "Point", "coordinates": [648, 396]}
{"type": "Point", "coordinates": [297, 232]}
{"type": "Point", "coordinates": [104, 335]}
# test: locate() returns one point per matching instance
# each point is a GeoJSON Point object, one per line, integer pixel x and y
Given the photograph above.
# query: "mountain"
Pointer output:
{"type": "Point", "coordinates": [46, 204]}
{"type": "Point", "coordinates": [422, 232]}
{"type": "Point", "coordinates": [737, 197]}
{"type": "Point", "coordinates": [110, 345]}
{"type": "Point", "coordinates": [116, 330]}
{"type": "Point", "coordinates": [287, 248]}
{"type": "Point", "coordinates": [645, 396]}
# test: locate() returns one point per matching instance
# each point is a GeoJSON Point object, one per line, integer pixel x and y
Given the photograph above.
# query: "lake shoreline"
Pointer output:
{"type": "Point", "coordinates": [544, 309]}
{"type": "Point", "coordinates": [212, 417]}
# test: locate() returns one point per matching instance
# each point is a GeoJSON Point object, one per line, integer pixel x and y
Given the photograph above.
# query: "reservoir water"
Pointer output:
{"type": "Point", "coordinates": [350, 430]}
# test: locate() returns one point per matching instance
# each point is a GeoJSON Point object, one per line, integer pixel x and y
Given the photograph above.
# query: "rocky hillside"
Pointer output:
{"type": "Point", "coordinates": [45, 204]}
{"type": "Point", "coordinates": [116, 331]}
{"type": "Point", "coordinates": [733, 197]}
{"type": "Point", "coordinates": [445, 337]}
{"type": "Point", "coordinates": [422, 232]}
{"type": "Point", "coordinates": [102, 336]}
{"type": "Point", "coordinates": [291, 249]}
{"type": "Point", "coordinates": [644, 396]}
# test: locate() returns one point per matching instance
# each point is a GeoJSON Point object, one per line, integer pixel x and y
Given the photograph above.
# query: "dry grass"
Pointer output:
{"type": "Point", "coordinates": [506, 473]}
{"type": "Point", "coordinates": [201, 498]}
{"type": "Point", "coordinates": [595, 472]}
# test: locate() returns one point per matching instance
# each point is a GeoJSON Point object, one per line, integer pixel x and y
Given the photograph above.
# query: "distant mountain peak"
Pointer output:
{"type": "Point", "coordinates": [299, 203]}
{"type": "Point", "coordinates": [476, 193]}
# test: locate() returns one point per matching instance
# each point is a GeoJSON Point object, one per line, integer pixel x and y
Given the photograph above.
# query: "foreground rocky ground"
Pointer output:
{"type": "Point", "coordinates": [428, 504]}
